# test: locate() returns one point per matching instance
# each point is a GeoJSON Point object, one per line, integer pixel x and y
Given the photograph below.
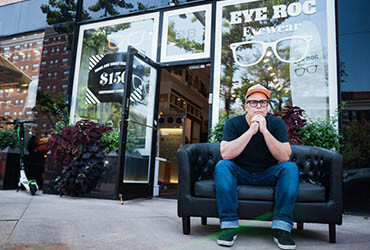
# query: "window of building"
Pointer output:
{"type": "Point", "coordinates": [20, 113]}
{"type": "Point", "coordinates": [28, 113]}
{"type": "Point", "coordinates": [51, 62]}
{"type": "Point", "coordinates": [52, 50]}
{"type": "Point", "coordinates": [28, 56]}
{"type": "Point", "coordinates": [64, 86]}
{"type": "Point", "coordinates": [17, 46]}
{"type": "Point", "coordinates": [21, 67]}
{"type": "Point", "coordinates": [48, 87]}
{"type": "Point", "coordinates": [7, 113]}
{"type": "Point", "coordinates": [56, 61]}
{"type": "Point", "coordinates": [16, 102]}
{"type": "Point", "coordinates": [6, 49]}
{"type": "Point", "coordinates": [186, 33]}
{"type": "Point", "coordinates": [57, 49]}
{"type": "Point", "coordinates": [55, 74]}
{"type": "Point", "coordinates": [49, 74]}
{"type": "Point", "coordinates": [21, 101]}
{"type": "Point", "coordinates": [43, 63]}
{"type": "Point", "coordinates": [15, 58]}
{"type": "Point", "coordinates": [45, 51]}
{"type": "Point", "coordinates": [35, 66]}
{"type": "Point", "coordinates": [65, 60]}
{"type": "Point", "coordinates": [26, 67]}
{"type": "Point", "coordinates": [54, 87]}
{"type": "Point", "coordinates": [23, 57]}
{"type": "Point", "coordinates": [8, 102]}
{"type": "Point", "coordinates": [296, 63]}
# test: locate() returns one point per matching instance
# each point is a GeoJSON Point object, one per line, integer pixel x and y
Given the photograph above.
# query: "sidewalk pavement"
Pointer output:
{"type": "Point", "coordinates": [59, 223]}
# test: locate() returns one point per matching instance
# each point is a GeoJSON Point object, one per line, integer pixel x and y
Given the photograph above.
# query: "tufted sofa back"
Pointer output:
{"type": "Point", "coordinates": [312, 161]}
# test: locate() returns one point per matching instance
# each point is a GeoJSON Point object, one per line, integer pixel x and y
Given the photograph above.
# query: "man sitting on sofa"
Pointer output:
{"type": "Point", "coordinates": [255, 150]}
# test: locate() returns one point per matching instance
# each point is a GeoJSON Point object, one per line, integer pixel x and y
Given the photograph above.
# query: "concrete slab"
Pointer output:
{"type": "Point", "coordinates": [53, 222]}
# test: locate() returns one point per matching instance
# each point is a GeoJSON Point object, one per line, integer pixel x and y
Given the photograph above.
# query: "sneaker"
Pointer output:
{"type": "Point", "coordinates": [283, 239]}
{"type": "Point", "coordinates": [227, 237]}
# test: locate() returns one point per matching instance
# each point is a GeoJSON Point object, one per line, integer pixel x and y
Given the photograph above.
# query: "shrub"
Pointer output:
{"type": "Point", "coordinates": [80, 151]}
{"type": "Point", "coordinates": [356, 149]}
{"type": "Point", "coordinates": [321, 133]}
{"type": "Point", "coordinates": [215, 134]}
{"type": "Point", "coordinates": [8, 138]}
{"type": "Point", "coordinates": [294, 121]}
{"type": "Point", "coordinates": [111, 141]}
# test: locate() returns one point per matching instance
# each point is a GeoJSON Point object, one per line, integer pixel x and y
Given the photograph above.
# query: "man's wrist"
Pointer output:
{"type": "Point", "coordinates": [265, 132]}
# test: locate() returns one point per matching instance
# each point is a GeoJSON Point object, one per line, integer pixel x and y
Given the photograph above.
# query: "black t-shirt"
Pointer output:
{"type": "Point", "coordinates": [256, 156]}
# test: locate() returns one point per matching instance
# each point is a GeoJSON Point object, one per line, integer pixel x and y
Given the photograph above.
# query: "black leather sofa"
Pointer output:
{"type": "Point", "coordinates": [319, 197]}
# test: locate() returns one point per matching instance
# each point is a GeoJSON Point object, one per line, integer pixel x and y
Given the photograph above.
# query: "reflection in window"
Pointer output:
{"type": "Point", "coordinates": [108, 42]}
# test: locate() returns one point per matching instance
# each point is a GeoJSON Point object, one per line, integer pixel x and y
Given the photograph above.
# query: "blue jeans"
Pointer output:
{"type": "Point", "coordinates": [284, 176]}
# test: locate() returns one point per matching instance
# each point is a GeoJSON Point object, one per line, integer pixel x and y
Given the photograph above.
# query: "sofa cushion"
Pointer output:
{"type": "Point", "coordinates": [307, 192]}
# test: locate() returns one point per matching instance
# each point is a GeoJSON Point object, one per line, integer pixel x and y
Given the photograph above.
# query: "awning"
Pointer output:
{"type": "Point", "coordinates": [11, 74]}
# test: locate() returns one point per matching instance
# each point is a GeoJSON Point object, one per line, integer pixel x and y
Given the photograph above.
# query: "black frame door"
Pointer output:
{"type": "Point", "coordinates": [131, 183]}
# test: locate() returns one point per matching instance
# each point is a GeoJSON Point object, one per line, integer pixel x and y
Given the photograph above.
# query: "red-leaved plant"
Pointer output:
{"type": "Point", "coordinates": [69, 142]}
{"type": "Point", "coordinates": [293, 118]}
{"type": "Point", "coordinates": [79, 151]}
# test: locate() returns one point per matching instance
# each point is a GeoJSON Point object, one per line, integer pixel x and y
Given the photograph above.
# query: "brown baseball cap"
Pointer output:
{"type": "Point", "coordinates": [258, 88]}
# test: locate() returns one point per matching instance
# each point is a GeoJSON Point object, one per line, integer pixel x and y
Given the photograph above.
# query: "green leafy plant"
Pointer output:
{"type": "Point", "coordinates": [321, 133]}
{"type": "Point", "coordinates": [215, 134]}
{"type": "Point", "coordinates": [356, 150]}
{"type": "Point", "coordinates": [8, 138]}
{"type": "Point", "coordinates": [80, 152]}
{"type": "Point", "coordinates": [111, 141]}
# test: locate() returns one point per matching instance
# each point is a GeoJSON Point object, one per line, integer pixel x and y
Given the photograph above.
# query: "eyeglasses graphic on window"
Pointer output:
{"type": "Point", "coordinates": [254, 103]}
{"type": "Point", "coordinates": [288, 49]}
{"type": "Point", "coordinates": [310, 69]}
{"type": "Point", "coordinates": [135, 39]}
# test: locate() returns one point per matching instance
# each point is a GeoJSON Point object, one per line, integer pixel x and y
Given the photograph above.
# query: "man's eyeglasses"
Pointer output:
{"type": "Point", "coordinates": [310, 69]}
{"type": "Point", "coordinates": [287, 49]}
{"type": "Point", "coordinates": [254, 103]}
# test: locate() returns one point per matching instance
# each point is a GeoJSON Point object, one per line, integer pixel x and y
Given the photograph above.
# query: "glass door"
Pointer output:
{"type": "Point", "coordinates": [138, 126]}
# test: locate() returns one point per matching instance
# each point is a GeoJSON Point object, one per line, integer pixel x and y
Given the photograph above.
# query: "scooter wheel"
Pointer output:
{"type": "Point", "coordinates": [33, 189]}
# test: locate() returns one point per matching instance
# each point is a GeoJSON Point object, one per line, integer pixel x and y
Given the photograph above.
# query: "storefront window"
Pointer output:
{"type": "Point", "coordinates": [186, 33]}
{"type": "Point", "coordinates": [100, 65]}
{"type": "Point", "coordinates": [283, 45]}
{"type": "Point", "coordinates": [95, 9]}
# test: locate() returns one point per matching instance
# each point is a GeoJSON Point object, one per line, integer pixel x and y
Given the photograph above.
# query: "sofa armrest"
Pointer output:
{"type": "Point", "coordinates": [322, 167]}
{"type": "Point", "coordinates": [336, 178]}
{"type": "Point", "coordinates": [184, 172]}
{"type": "Point", "coordinates": [196, 162]}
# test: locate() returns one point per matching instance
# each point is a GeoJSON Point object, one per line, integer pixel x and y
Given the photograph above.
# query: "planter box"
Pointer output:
{"type": "Point", "coordinates": [105, 188]}
{"type": "Point", "coordinates": [9, 168]}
